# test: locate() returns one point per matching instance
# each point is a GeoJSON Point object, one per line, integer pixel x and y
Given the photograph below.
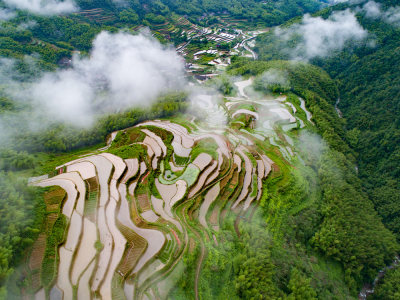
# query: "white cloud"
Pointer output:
{"type": "Point", "coordinates": [44, 7]}
{"type": "Point", "coordinates": [122, 71]}
{"type": "Point", "coordinates": [374, 10]}
{"type": "Point", "coordinates": [392, 15]}
{"type": "Point", "coordinates": [65, 96]}
{"type": "Point", "coordinates": [333, 2]}
{"type": "Point", "coordinates": [6, 14]}
{"type": "Point", "coordinates": [205, 106]}
{"type": "Point", "coordinates": [27, 25]}
{"type": "Point", "coordinates": [319, 37]}
{"type": "Point", "coordinates": [274, 76]}
{"type": "Point", "coordinates": [311, 147]}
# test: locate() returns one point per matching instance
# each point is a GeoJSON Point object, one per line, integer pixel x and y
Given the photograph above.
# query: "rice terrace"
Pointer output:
{"type": "Point", "coordinates": [126, 216]}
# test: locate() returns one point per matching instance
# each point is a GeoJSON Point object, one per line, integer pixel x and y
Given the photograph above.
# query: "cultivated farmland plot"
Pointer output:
{"type": "Point", "coordinates": [140, 230]}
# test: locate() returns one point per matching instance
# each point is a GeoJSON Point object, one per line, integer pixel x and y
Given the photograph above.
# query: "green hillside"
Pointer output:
{"type": "Point", "coordinates": [368, 83]}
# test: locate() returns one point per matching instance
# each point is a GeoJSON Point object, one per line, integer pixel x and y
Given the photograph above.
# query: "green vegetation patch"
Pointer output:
{"type": "Point", "coordinates": [246, 106]}
{"type": "Point", "coordinates": [152, 186]}
{"type": "Point", "coordinates": [165, 255]}
{"type": "Point", "coordinates": [389, 286]}
{"type": "Point", "coordinates": [190, 175]}
{"type": "Point", "coordinates": [254, 186]}
{"type": "Point", "coordinates": [127, 137]}
{"type": "Point", "coordinates": [180, 160]}
{"type": "Point", "coordinates": [207, 145]}
{"type": "Point", "coordinates": [206, 58]}
{"type": "Point", "coordinates": [53, 198]}
{"type": "Point", "coordinates": [129, 151]}
{"type": "Point", "coordinates": [165, 135]}
{"type": "Point", "coordinates": [50, 262]}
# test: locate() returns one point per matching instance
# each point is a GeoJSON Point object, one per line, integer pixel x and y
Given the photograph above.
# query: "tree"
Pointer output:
{"type": "Point", "coordinates": [129, 16]}
{"type": "Point", "coordinates": [300, 287]}
{"type": "Point", "coordinates": [389, 287]}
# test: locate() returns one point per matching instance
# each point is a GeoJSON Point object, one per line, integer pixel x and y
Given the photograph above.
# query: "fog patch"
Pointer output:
{"type": "Point", "coordinates": [6, 14]}
{"type": "Point", "coordinates": [65, 96]}
{"type": "Point", "coordinates": [206, 107]}
{"type": "Point", "coordinates": [374, 10]}
{"type": "Point", "coordinates": [310, 147]}
{"type": "Point", "coordinates": [274, 78]}
{"type": "Point", "coordinates": [27, 25]}
{"type": "Point", "coordinates": [44, 7]}
{"type": "Point", "coordinates": [317, 37]}
{"type": "Point", "coordinates": [334, 2]}
{"type": "Point", "coordinates": [122, 71]}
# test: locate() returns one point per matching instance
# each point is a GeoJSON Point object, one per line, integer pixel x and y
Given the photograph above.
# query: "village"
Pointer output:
{"type": "Point", "coordinates": [208, 51]}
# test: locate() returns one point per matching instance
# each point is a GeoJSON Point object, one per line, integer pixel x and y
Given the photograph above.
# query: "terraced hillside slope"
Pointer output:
{"type": "Point", "coordinates": [158, 191]}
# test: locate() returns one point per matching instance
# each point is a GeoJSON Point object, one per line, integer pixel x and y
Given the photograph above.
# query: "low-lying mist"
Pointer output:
{"type": "Point", "coordinates": [122, 71]}
{"type": "Point", "coordinates": [375, 10]}
{"type": "Point", "coordinates": [40, 7]}
{"type": "Point", "coordinates": [317, 37]}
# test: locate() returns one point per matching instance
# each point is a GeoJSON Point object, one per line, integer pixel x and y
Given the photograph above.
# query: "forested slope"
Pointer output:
{"type": "Point", "coordinates": [369, 92]}
{"type": "Point", "coordinates": [267, 13]}
{"type": "Point", "coordinates": [341, 222]}
{"type": "Point", "coordinates": [369, 84]}
{"type": "Point", "coordinates": [367, 77]}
